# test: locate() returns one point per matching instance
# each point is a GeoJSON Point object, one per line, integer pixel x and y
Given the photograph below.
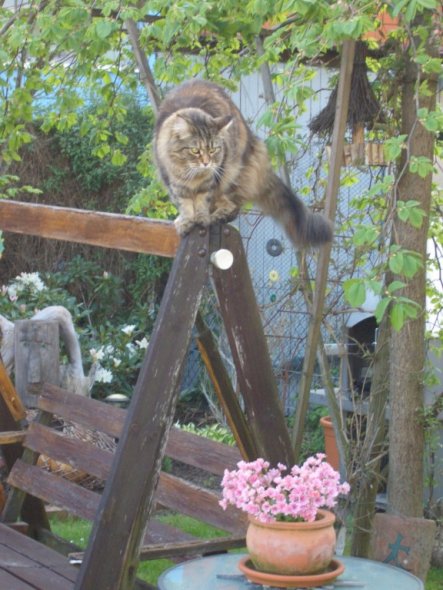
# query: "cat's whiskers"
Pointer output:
{"type": "Point", "coordinates": [218, 172]}
{"type": "Point", "coordinates": [189, 174]}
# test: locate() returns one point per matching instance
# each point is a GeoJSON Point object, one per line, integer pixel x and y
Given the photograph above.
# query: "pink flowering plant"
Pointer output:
{"type": "Point", "coordinates": [272, 494]}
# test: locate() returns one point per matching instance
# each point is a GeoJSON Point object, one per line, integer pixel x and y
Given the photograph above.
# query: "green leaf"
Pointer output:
{"type": "Point", "coordinates": [121, 138]}
{"type": "Point", "coordinates": [411, 212]}
{"type": "Point", "coordinates": [103, 28]}
{"type": "Point", "coordinates": [118, 159]}
{"type": "Point", "coordinates": [381, 308]}
{"type": "Point", "coordinates": [102, 150]}
{"type": "Point", "coordinates": [398, 6]}
{"type": "Point", "coordinates": [411, 10]}
{"type": "Point", "coordinates": [412, 263]}
{"type": "Point", "coordinates": [355, 292]}
{"type": "Point", "coordinates": [365, 234]}
{"type": "Point", "coordinates": [431, 4]}
{"type": "Point", "coordinates": [267, 119]}
{"type": "Point", "coordinates": [396, 263]}
{"type": "Point", "coordinates": [421, 165]}
{"type": "Point", "coordinates": [375, 286]}
{"type": "Point", "coordinates": [397, 316]}
{"type": "Point", "coordinates": [402, 310]}
{"type": "Point", "coordinates": [431, 120]}
{"type": "Point", "coordinates": [395, 286]}
{"type": "Point", "coordinates": [393, 146]}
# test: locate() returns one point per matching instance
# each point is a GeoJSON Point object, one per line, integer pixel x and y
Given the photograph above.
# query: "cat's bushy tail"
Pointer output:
{"type": "Point", "coordinates": [303, 227]}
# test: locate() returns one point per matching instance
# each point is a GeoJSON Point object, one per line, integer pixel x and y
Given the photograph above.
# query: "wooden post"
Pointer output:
{"type": "Point", "coordinates": [37, 358]}
{"type": "Point", "coordinates": [225, 392]}
{"type": "Point", "coordinates": [111, 558]}
{"type": "Point", "coordinates": [11, 412]}
{"type": "Point", "coordinates": [244, 329]}
{"type": "Point", "coordinates": [341, 113]}
{"type": "Point", "coordinates": [16, 409]}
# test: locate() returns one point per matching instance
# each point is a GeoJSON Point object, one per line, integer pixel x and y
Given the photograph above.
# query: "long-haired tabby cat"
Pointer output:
{"type": "Point", "coordinates": [211, 164]}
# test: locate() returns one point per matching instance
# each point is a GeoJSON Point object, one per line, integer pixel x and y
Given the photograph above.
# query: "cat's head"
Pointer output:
{"type": "Point", "coordinates": [197, 141]}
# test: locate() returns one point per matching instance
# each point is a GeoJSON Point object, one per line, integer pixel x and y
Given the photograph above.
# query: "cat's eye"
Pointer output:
{"type": "Point", "coordinates": [213, 150]}
{"type": "Point", "coordinates": [194, 151]}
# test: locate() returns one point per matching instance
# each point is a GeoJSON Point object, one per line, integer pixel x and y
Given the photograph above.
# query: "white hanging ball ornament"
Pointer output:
{"type": "Point", "coordinates": [222, 259]}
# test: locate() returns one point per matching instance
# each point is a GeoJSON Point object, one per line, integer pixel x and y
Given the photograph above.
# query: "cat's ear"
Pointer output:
{"type": "Point", "coordinates": [223, 123]}
{"type": "Point", "coordinates": [181, 124]}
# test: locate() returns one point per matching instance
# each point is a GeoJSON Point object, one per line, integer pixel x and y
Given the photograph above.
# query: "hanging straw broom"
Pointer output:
{"type": "Point", "coordinates": [364, 108]}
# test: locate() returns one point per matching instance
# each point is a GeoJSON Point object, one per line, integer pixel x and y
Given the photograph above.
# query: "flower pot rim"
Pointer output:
{"type": "Point", "coordinates": [324, 518]}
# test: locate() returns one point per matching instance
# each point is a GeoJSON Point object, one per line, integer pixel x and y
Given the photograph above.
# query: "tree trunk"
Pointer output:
{"type": "Point", "coordinates": [365, 488]}
{"type": "Point", "coordinates": [406, 436]}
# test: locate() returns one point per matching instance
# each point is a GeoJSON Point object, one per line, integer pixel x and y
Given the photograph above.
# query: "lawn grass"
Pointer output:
{"type": "Point", "coordinates": [77, 531]}
{"type": "Point", "coordinates": [434, 581]}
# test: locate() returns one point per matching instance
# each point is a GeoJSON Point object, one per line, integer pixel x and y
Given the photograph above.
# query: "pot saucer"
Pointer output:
{"type": "Point", "coordinates": [285, 581]}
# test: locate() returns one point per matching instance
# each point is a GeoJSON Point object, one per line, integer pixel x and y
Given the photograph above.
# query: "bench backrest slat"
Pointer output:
{"type": "Point", "coordinates": [77, 453]}
{"type": "Point", "coordinates": [181, 496]}
{"type": "Point", "coordinates": [55, 490]}
{"type": "Point", "coordinates": [187, 447]}
{"type": "Point", "coordinates": [85, 411]}
{"type": "Point", "coordinates": [201, 452]}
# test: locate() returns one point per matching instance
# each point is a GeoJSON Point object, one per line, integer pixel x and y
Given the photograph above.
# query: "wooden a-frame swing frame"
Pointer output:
{"type": "Point", "coordinates": [112, 554]}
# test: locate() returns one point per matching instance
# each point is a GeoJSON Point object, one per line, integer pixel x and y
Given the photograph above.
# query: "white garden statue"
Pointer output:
{"type": "Point", "coordinates": [72, 375]}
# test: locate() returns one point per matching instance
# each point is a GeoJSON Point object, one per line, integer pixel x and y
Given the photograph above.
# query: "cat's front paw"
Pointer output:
{"type": "Point", "coordinates": [224, 215]}
{"type": "Point", "coordinates": [183, 226]}
{"type": "Point", "coordinates": [202, 219]}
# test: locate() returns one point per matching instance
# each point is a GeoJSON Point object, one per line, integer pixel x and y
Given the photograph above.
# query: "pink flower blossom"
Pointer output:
{"type": "Point", "coordinates": [279, 493]}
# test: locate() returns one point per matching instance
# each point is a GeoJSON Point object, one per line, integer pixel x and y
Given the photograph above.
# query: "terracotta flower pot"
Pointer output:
{"type": "Point", "coordinates": [331, 449]}
{"type": "Point", "coordinates": [292, 548]}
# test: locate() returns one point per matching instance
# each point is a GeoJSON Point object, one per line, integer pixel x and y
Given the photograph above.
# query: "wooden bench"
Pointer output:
{"type": "Point", "coordinates": [26, 564]}
{"type": "Point", "coordinates": [177, 494]}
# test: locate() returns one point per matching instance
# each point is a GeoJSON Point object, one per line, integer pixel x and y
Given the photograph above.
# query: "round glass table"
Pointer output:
{"type": "Point", "coordinates": [220, 572]}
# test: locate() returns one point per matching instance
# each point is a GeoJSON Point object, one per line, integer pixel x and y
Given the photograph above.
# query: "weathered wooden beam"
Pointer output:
{"type": "Point", "coordinates": [188, 548]}
{"type": "Point", "coordinates": [19, 503]}
{"type": "Point", "coordinates": [14, 404]}
{"type": "Point", "coordinates": [226, 395]}
{"type": "Point", "coordinates": [111, 558]}
{"type": "Point", "coordinates": [11, 412]}
{"type": "Point", "coordinates": [184, 497]}
{"type": "Point", "coordinates": [11, 437]}
{"type": "Point", "coordinates": [317, 311]}
{"type": "Point", "coordinates": [244, 329]}
{"type": "Point", "coordinates": [108, 230]}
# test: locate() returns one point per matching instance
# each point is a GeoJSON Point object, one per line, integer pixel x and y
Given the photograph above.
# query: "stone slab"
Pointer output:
{"type": "Point", "coordinates": [403, 542]}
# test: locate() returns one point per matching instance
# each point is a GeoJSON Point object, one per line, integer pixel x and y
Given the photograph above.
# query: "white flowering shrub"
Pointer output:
{"type": "Point", "coordinates": [26, 282]}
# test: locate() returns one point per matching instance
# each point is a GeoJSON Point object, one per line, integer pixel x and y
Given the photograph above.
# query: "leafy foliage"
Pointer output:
{"type": "Point", "coordinates": [212, 431]}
